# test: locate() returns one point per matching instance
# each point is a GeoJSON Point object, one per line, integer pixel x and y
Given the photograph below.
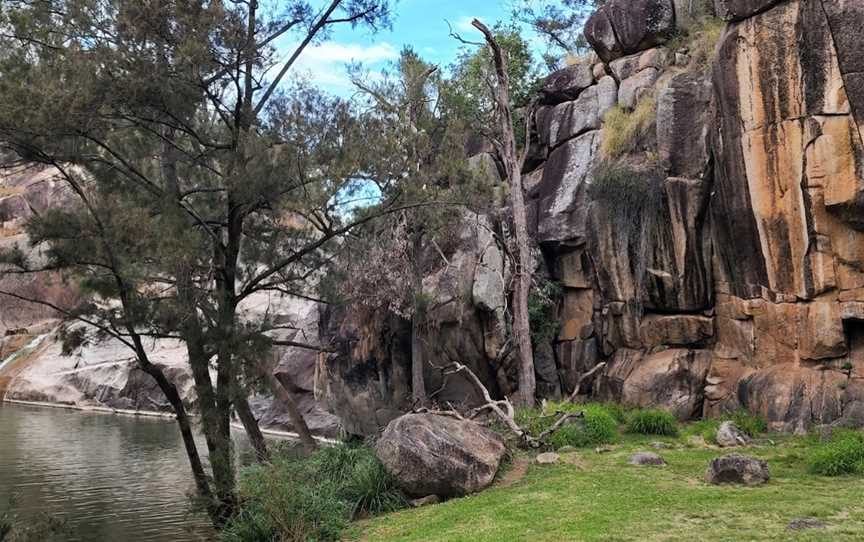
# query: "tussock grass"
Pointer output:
{"type": "Point", "coordinates": [843, 454]}
{"type": "Point", "coordinates": [652, 422]}
{"type": "Point", "coordinates": [296, 500]}
{"type": "Point", "coordinates": [624, 130]}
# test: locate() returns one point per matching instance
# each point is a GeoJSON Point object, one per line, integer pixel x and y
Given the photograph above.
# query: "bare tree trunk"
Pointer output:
{"type": "Point", "coordinates": [513, 166]}
{"type": "Point", "coordinates": [250, 424]}
{"type": "Point", "coordinates": [418, 382]}
{"type": "Point", "coordinates": [287, 398]}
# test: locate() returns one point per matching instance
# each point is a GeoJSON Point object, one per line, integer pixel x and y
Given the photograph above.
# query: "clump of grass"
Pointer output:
{"type": "Point", "coordinates": [623, 129]}
{"type": "Point", "coordinates": [652, 422]}
{"type": "Point", "coordinates": [314, 498]}
{"type": "Point", "coordinates": [843, 454]}
{"type": "Point", "coordinates": [751, 424]}
{"type": "Point", "coordinates": [703, 41]}
{"type": "Point", "coordinates": [597, 427]}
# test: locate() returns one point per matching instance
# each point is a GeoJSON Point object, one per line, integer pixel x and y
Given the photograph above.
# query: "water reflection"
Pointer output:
{"type": "Point", "coordinates": [112, 478]}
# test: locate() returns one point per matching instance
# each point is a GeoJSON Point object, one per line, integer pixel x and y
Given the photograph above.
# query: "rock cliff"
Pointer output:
{"type": "Point", "coordinates": [696, 192]}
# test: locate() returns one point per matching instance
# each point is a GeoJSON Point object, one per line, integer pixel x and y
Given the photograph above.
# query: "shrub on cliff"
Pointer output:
{"type": "Point", "coordinates": [843, 454]}
{"type": "Point", "coordinates": [624, 130]}
{"type": "Point", "coordinates": [312, 498]}
{"type": "Point", "coordinates": [652, 422]}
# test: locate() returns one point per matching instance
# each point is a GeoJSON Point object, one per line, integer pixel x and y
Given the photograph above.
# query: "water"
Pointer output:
{"type": "Point", "coordinates": [111, 478]}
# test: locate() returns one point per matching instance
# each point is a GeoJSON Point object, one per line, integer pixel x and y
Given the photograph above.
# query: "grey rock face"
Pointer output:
{"type": "Point", "coordinates": [569, 119]}
{"type": "Point", "coordinates": [634, 88]}
{"type": "Point", "coordinates": [683, 122]}
{"type": "Point", "coordinates": [737, 469]}
{"type": "Point", "coordinates": [729, 436]}
{"type": "Point", "coordinates": [439, 455]}
{"type": "Point", "coordinates": [736, 10]}
{"type": "Point", "coordinates": [566, 84]}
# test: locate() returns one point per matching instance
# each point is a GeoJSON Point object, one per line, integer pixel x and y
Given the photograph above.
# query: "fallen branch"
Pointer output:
{"type": "Point", "coordinates": [502, 409]}
{"type": "Point", "coordinates": [583, 378]}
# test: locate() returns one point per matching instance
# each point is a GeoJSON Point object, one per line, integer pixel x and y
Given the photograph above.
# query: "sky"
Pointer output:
{"type": "Point", "coordinates": [419, 23]}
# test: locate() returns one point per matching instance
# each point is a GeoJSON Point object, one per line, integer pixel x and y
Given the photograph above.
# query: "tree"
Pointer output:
{"type": "Point", "coordinates": [203, 187]}
{"type": "Point", "coordinates": [559, 23]}
{"type": "Point", "coordinates": [506, 146]}
{"type": "Point", "coordinates": [390, 258]}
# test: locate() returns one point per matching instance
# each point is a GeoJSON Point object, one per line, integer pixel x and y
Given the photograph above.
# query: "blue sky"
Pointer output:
{"type": "Point", "coordinates": [420, 23]}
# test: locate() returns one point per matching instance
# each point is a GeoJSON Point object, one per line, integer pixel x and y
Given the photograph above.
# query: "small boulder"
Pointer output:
{"type": "Point", "coordinates": [647, 459]}
{"type": "Point", "coordinates": [549, 458]}
{"type": "Point", "coordinates": [729, 436]}
{"type": "Point", "coordinates": [425, 501]}
{"type": "Point", "coordinates": [737, 469]}
{"type": "Point", "coordinates": [660, 445]}
{"type": "Point", "coordinates": [803, 524]}
{"type": "Point", "coordinates": [430, 454]}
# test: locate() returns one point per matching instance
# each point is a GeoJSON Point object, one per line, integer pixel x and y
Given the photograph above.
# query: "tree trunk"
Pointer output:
{"type": "Point", "coordinates": [173, 397]}
{"type": "Point", "coordinates": [250, 424]}
{"type": "Point", "coordinates": [513, 166]}
{"type": "Point", "coordinates": [418, 382]}
{"type": "Point", "coordinates": [287, 398]}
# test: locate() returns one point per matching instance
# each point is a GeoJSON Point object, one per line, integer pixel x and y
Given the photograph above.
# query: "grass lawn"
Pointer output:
{"type": "Point", "coordinates": [590, 496]}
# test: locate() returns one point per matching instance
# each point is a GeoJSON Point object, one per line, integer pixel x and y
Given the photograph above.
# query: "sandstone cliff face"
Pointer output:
{"type": "Point", "coordinates": [741, 283]}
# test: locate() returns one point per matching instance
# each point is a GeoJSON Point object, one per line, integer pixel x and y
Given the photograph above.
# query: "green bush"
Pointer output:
{"type": "Point", "coordinates": [652, 422]}
{"type": "Point", "coordinates": [311, 499]}
{"type": "Point", "coordinates": [843, 454]}
{"type": "Point", "coordinates": [597, 427]}
{"type": "Point", "coordinates": [752, 424]}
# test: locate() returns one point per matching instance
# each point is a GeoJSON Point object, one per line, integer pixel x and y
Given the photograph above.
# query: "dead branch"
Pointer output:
{"type": "Point", "coordinates": [502, 409]}
{"type": "Point", "coordinates": [583, 378]}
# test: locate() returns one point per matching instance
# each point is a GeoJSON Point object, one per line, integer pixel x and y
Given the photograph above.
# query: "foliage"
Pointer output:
{"type": "Point", "coordinates": [597, 427]}
{"type": "Point", "coordinates": [466, 94]}
{"type": "Point", "coordinates": [313, 498]}
{"type": "Point", "coordinates": [599, 499]}
{"type": "Point", "coordinates": [624, 130]}
{"type": "Point", "coordinates": [542, 307]}
{"type": "Point", "coordinates": [559, 23]}
{"type": "Point", "coordinates": [71, 339]}
{"type": "Point", "coordinates": [652, 422]}
{"type": "Point", "coordinates": [700, 41]}
{"type": "Point", "coordinates": [842, 454]}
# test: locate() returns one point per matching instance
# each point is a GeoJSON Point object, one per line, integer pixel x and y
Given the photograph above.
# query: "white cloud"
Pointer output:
{"type": "Point", "coordinates": [324, 64]}
{"type": "Point", "coordinates": [463, 24]}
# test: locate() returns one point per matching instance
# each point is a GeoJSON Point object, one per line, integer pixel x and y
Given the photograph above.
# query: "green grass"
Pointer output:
{"type": "Point", "coordinates": [598, 497]}
{"type": "Point", "coordinates": [599, 426]}
{"type": "Point", "coordinates": [652, 422]}
{"type": "Point", "coordinates": [749, 423]}
{"type": "Point", "coordinates": [842, 454]}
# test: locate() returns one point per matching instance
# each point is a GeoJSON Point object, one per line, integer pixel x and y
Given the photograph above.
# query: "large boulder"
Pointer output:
{"type": "Point", "coordinates": [430, 454]}
{"type": "Point", "coordinates": [736, 10]}
{"type": "Point", "coordinates": [567, 83]}
{"type": "Point", "coordinates": [737, 469]}
{"type": "Point", "coordinates": [672, 379]}
{"type": "Point", "coordinates": [623, 27]}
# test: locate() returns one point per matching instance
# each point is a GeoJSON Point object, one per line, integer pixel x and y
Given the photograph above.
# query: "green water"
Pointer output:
{"type": "Point", "coordinates": [110, 478]}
